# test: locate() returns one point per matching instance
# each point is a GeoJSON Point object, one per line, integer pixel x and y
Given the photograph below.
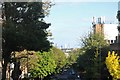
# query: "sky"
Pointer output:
{"type": "Point", "coordinates": [72, 20]}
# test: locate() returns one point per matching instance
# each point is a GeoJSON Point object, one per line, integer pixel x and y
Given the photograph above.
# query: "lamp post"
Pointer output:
{"type": "Point", "coordinates": [100, 59]}
{"type": "Point", "coordinates": [118, 17]}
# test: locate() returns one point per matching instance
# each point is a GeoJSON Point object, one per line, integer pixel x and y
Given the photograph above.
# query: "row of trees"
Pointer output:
{"type": "Point", "coordinates": [90, 59]}
{"type": "Point", "coordinates": [25, 37]}
{"type": "Point", "coordinates": [93, 61]}
{"type": "Point", "coordinates": [42, 64]}
{"type": "Point", "coordinates": [24, 29]}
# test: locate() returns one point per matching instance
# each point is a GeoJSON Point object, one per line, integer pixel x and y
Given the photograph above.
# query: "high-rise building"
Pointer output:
{"type": "Point", "coordinates": [109, 31]}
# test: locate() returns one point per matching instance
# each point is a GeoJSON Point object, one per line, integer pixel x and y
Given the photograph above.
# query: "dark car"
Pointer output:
{"type": "Point", "coordinates": [53, 78]}
{"type": "Point", "coordinates": [73, 77]}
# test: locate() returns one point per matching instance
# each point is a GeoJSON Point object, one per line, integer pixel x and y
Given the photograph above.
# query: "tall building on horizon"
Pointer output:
{"type": "Point", "coordinates": [116, 46]}
{"type": "Point", "coordinates": [109, 31]}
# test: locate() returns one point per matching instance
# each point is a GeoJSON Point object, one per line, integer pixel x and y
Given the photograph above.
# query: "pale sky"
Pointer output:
{"type": "Point", "coordinates": [85, 0]}
{"type": "Point", "coordinates": [72, 20]}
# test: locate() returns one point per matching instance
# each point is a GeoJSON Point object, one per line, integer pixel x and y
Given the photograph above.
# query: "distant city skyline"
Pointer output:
{"type": "Point", "coordinates": [72, 20]}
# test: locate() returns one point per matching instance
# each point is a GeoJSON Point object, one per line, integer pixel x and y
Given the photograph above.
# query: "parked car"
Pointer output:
{"type": "Point", "coordinates": [74, 77]}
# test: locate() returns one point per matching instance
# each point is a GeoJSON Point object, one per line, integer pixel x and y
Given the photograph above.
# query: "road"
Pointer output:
{"type": "Point", "coordinates": [69, 74]}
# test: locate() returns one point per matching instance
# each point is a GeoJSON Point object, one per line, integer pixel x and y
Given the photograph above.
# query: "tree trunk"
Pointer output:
{"type": "Point", "coordinates": [4, 70]}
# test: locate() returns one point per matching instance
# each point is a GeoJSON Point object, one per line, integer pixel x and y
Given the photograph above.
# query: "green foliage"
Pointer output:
{"type": "Point", "coordinates": [93, 40]}
{"type": "Point", "coordinates": [60, 58]}
{"type": "Point", "coordinates": [91, 60]}
{"type": "Point", "coordinates": [113, 65]}
{"type": "Point", "coordinates": [73, 56]}
{"type": "Point", "coordinates": [45, 65]}
{"type": "Point", "coordinates": [23, 28]}
{"type": "Point", "coordinates": [89, 63]}
{"type": "Point", "coordinates": [51, 62]}
{"type": "Point", "coordinates": [42, 64]}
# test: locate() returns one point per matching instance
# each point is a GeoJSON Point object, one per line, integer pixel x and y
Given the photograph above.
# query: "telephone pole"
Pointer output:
{"type": "Point", "coordinates": [118, 17]}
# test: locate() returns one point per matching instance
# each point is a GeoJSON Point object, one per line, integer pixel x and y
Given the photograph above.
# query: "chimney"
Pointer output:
{"type": "Point", "coordinates": [94, 20]}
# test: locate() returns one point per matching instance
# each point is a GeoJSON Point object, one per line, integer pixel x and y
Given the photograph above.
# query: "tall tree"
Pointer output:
{"type": "Point", "coordinates": [42, 65]}
{"type": "Point", "coordinates": [92, 59]}
{"type": "Point", "coordinates": [45, 66]}
{"type": "Point", "coordinates": [93, 40]}
{"type": "Point", "coordinates": [60, 59]}
{"type": "Point", "coordinates": [23, 28]}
